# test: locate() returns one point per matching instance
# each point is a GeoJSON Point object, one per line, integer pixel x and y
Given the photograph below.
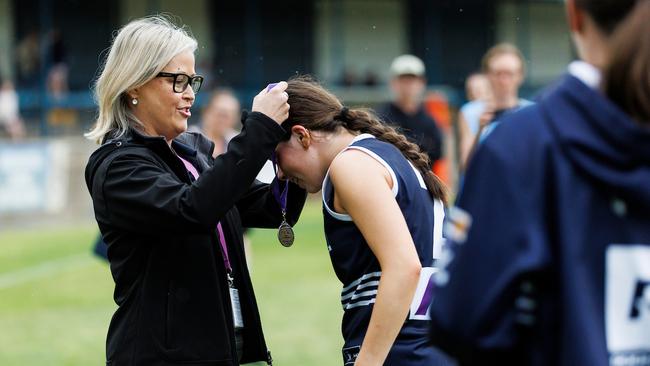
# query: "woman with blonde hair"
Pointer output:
{"type": "Point", "coordinates": [171, 214]}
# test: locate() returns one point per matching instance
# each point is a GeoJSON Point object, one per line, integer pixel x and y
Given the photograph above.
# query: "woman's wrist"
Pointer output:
{"type": "Point", "coordinates": [266, 121]}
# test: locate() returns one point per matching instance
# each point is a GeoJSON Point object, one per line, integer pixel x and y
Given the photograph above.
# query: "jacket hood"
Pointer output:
{"type": "Point", "coordinates": [600, 140]}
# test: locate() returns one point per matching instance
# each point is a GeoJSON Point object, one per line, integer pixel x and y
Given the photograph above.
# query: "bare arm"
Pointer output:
{"type": "Point", "coordinates": [374, 210]}
{"type": "Point", "coordinates": [466, 140]}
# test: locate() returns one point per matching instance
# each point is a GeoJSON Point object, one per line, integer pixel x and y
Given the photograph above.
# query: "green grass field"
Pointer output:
{"type": "Point", "coordinates": [56, 297]}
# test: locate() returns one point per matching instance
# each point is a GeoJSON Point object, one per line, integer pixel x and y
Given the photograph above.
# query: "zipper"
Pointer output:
{"type": "Point", "coordinates": [269, 359]}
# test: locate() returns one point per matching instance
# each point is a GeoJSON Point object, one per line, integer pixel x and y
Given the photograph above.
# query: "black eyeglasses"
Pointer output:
{"type": "Point", "coordinates": [181, 81]}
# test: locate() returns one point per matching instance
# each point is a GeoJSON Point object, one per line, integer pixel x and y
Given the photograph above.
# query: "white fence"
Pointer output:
{"type": "Point", "coordinates": [41, 181]}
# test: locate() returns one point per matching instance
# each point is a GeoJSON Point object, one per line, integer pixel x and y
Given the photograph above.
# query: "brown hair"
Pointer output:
{"type": "Point", "coordinates": [626, 78]}
{"type": "Point", "coordinates": [502, 49]}
{"type": "Point", "coordinates": [315, 108]}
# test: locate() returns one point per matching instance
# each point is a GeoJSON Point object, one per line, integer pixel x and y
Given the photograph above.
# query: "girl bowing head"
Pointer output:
{"type": "Point", "coordinates": [383, 212]}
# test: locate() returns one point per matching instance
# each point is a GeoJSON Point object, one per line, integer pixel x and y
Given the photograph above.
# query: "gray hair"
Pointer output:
{"type": "Point", "coordinates": [141, 49]}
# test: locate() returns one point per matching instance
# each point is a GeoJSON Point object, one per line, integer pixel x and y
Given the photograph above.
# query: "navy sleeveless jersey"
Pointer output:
{"type": "Point", "coordinates": [358, 268]}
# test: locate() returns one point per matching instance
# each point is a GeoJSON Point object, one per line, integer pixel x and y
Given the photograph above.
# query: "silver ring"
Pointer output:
{"type": "Point", "coordinates": [285, 94]}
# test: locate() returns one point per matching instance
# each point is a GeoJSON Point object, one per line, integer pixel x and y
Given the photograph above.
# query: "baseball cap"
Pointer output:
{"type": "Point", "coordinates": [407, 65]}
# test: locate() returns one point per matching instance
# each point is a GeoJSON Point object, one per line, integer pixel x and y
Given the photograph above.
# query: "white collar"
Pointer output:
{"type": "Point", "coordinates": [587, 73]}
{"type": "Point", "coordinates": [362, 136]}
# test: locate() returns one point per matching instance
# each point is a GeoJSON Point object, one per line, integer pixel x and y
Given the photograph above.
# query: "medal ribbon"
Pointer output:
{"type": "Point", "coordinates": [281, 197]}
{"type": "Point", "coordinates": [237, 318]}
{"type": "Point", "coordinates": [222, 238]}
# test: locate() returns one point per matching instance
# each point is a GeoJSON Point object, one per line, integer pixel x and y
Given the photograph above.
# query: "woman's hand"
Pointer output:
{"type": "Point", "coordinates": [273, 103]}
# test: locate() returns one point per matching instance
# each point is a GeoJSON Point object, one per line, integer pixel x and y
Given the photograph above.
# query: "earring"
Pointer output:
{"type": "Point", "coordinates": [134, 101]}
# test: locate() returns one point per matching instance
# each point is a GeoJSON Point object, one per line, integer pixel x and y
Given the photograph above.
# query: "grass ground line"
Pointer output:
{"type": "Point", "coordinates": [27, 274]}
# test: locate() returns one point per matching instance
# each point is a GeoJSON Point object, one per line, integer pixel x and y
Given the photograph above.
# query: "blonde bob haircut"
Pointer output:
{"type": "Point", "coordinates": [141, 49]}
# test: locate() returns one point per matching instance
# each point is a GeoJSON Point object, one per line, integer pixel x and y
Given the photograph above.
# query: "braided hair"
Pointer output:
{"type": "Point", "coordinates": [315, 108]}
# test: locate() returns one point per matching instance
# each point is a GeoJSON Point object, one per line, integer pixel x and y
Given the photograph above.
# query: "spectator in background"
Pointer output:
{"type": "Point", "coordinates": [477, 87]}
{"type": "Point", "coordinates": [406, 111]}
{"type": "Point", "coordinates": [28, 60]}
{"type": "Point", "coordinates": [478, 92]}
{"type": "Point", "coordinates": [371, 78]}
{"type": "Point", "coordinates": [220, 122]}
{"type": "Point", "coordinates": [57, 83]}
{"type": "Point", "coordinates": [9, 112]}
{"type": "Point", "coordinates": [57, 88]}
{"type": "Point", "coordinates": [220, 118]}
{"type": "Point", "coordinates": [348, 77]}
{"type": "Point", "coordinates": [57, 75]}
{"type": "Point", "coordinates": [505, 68]}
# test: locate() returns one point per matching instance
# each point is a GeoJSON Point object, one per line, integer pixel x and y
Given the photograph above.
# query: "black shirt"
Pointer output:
{"type": "Point", "coordinates": [419, 128]}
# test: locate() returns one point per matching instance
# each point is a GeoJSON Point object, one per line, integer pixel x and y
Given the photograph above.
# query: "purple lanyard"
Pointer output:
{"type": "Point", "coordinates": [280, 197]}
{"type": "Point", "coordinates": [222, 239]}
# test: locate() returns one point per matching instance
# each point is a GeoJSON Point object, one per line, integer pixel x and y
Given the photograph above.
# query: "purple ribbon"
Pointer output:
{"type": "Point", "coordinates": [224, 250]}
{"type": "Point", "coordinates": [281, 197]}
{"type": "Point", "coordinates": [222, 238]}
{"type": "Point", "coordinates": [270, 86]}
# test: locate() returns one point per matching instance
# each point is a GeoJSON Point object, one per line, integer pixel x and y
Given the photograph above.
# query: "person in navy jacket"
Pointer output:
{"type": "Point", "coordinates": [549, 261]}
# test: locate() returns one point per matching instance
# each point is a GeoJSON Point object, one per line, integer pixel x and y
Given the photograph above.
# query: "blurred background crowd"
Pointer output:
{"type": "Point", "coordinates": [51, 49]}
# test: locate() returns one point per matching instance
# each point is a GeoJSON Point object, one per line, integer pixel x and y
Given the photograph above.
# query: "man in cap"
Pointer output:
{"type": "Point", "coordinates": [408, 83]}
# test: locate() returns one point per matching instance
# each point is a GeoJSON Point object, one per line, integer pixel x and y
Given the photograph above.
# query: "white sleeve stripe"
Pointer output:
{"type": "Point", "coordinates": [368, 284]}
{"type": "Point", "coordinates": [418, 174]}
{"type": "Point", "coordinates": [359, 288]}
{"type": "Point", "coordinates": [360, 303]}
{"type": "Point", "coordinates": [353, 296]}
{"type": "Point", "coordinates": [438, 220]}
{"type": "Point", "coordinates": [354, 283]}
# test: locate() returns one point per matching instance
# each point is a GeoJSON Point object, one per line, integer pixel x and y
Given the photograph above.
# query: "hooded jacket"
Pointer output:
{"type": "Point", "coordinates": [160, 226]}
{"type": "Point", "coordinates": [549, 261]}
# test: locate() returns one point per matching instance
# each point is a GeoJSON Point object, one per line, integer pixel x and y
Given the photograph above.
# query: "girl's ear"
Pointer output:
{"type": "Point", "coordinates": [303, 135]}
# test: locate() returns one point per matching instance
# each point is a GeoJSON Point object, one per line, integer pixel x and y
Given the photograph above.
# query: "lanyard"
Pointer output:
{"type": "Point", "coordinates": [222, 239]}
{"type": "Point", "coordinates": [285, 232]}
{"type": "Point", "coordinates": [281, 197]}
{"type": "Point", "coordinates": [238, 320]}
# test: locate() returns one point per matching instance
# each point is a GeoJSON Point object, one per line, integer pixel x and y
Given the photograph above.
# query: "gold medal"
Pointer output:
{"type": "Point", "coordinates": [285, 234]}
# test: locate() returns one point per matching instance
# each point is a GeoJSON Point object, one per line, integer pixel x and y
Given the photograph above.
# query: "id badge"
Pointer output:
{"type": "Point", "coordinates": [238, 320]}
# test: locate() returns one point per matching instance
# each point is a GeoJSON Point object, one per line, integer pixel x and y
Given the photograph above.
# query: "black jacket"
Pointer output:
{"type": "Point", "coordinates": [163, 248]}
{"type": "Point", "coordinates": [419, 128]}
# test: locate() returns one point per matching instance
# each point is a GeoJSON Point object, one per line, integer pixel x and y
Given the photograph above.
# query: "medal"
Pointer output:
{"type": "Point", "coordinates": [285, 234]}
{"type": "Point", "coordinates": [285, 231]}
